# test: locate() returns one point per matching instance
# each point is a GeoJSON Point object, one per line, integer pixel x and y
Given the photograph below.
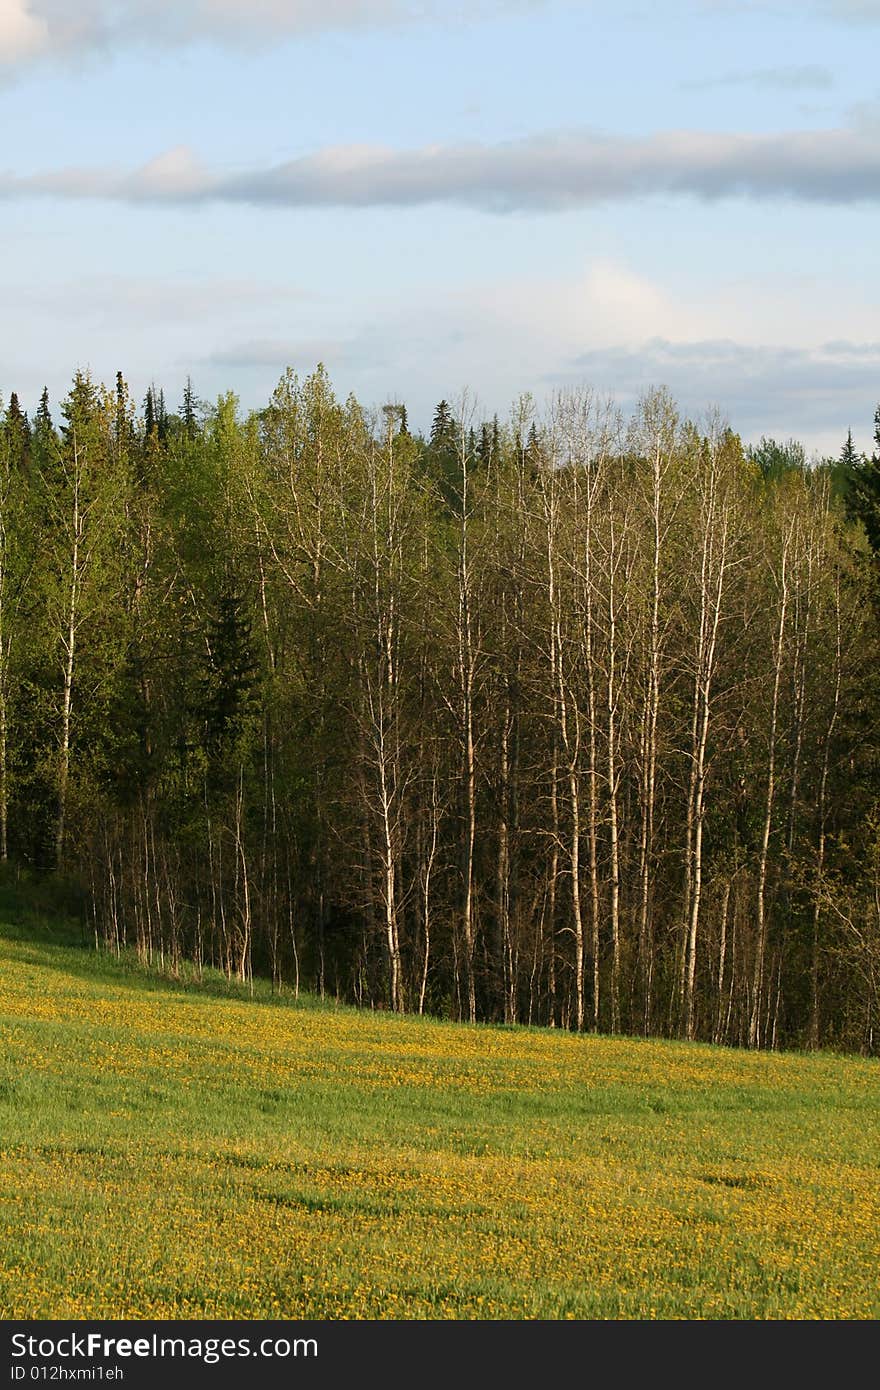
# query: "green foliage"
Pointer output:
{"type": "Point", "coordinates": [442, 457]}
{"type": "Point", "coordinates": [774, 460]}
{"type": "Point", "coordinates": [294, 691]}
{"type": "Point", "coordinates": [229, 676]}
{"type": "Point", "coordinates": [860, 477]}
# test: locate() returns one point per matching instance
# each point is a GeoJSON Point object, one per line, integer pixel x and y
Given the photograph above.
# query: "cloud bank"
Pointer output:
{"type": "Point", "coordinates": [543, 173]}
{"type": "Point", "coordinates": [764, 389]}
{"type": "Point", "coordinates": [805, 77]}
{"type": "Point", "coordinates": [767, 356]}
{"type": "Point", "coordinates": [852, 11]}
{"type": "Point", "coordinates": [32, 29]}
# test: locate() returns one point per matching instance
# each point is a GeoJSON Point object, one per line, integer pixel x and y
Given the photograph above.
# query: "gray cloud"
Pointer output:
{"type": "Point", "coordinates": [852, 11]}
{"type": "Point", "coordinates": [844, 11]}
{"type": "Point", "coordinates": [39, 29]}
{"type": "Point", "coordinates": [812, 393]}
{"type": "Point", "coordinates": [809, 77]}
{"type": "Point", "coordinates": [843, 349]}
{"type": "Point", "coordinates": [541, 173]}
{"type": "Point", "coordinates": [31, 29]}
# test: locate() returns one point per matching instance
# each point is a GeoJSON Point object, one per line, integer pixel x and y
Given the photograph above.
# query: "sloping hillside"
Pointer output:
{"type": "Point", "coordinates": [180, 1152]}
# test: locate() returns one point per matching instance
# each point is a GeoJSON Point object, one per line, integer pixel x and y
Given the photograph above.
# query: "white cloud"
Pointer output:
{"type": "Point", "coordinates": [767, 352]}
{"type": "Point", "coordinates": [33, 28]}
{"type": "Point", "coordinates": [23, 34]}
{"type": "Point", "coordinates": [762, 353]}
{"type": "Point", "coordinates": [547, 172]}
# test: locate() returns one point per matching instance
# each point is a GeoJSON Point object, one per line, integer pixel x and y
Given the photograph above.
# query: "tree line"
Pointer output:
{"type": "Point", "coordinates": [567, 719]}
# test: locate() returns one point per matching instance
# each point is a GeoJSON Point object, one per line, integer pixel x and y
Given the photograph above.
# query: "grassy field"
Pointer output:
{"type": "Point", "coordinates": [180, 1152]}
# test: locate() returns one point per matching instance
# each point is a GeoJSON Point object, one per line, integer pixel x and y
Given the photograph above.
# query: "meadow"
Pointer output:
{"type": "Point", "coordinates": [182, 1150]}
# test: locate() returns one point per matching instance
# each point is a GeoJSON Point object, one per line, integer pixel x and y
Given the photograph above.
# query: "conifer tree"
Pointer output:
{"type": "Point", "coordinates": [443, 427]}
{"type": "Point", "coordinates": [584, 733]}
{"type": "Point", "coordinates": [443, 456]}
{"type": "Point", "coordinates": [484, 448]}
{"type": "Point", "coordinates": [18, 432]}
{"type": "Point", "coordinates": [44, 429]}
{"type": "Point", "coordinates": [849, 458]}
{"type": "Point", "coordinates": [230, 673]}
{"type": "Point", "coordinates": [149, 414]}
{"type": "Point", "coordinates": [862, 485]}
{"type": "Point", "coordinates": [188, 410]}
{"type": "Point", "coordinates": [161, 419]}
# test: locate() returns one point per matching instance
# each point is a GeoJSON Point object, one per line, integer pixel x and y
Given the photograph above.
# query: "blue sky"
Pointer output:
{"type": "Point", "coordinates": [507, 195]}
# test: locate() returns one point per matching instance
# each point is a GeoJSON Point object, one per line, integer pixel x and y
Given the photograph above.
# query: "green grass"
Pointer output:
{"type": "Point", "coordinates": [185, 1150]}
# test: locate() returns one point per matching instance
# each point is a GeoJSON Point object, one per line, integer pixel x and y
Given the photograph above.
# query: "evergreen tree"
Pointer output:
{"type": "Point", "coordinates": [861, 486]}
{"type": "Point", "coordinates": [121, 393]}
{"type": "Point", "coordinates": [18, 433]}
{"type": "Point", "coordinates": [124, 422]}
{"type": "Point", "coordinates": [229, 677]}
{"type": "Point", "coordinates": [189, 409]}
{"type": "Point", "coordinates": [849, 459]}
{"type": "Point", "coordinates": [149, 414]}
{"type": "Point", "coordinates": [161, 418]}
{"type": "Point", "coordinates": [17, 417]}
{"type": "Point", "coordinates": [533, 447]}
{"type": "Point", "coordinates": [442, 428]}
{"type": "Point", "coordinates": [442, 456]}
{"type": "Point", "coordinates": [484, 449]}
{"type": "Point", "coordinates": [44, 429]}
{"type": "Point", "coordinates": [323, 717]}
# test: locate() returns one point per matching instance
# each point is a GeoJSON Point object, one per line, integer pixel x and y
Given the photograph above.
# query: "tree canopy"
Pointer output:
{"type": "Point", "coordinates": [564, 719]}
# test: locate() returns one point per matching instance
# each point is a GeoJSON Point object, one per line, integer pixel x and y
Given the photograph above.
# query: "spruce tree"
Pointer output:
{"type": "Point", "coordinates": [533, 447]}
{"type": "Point", "coordinates": [149, 414]}
{"type": "Point", "coordinates": [441, 456]}
{"type": "Point", "coordinates": [44, 429]}
{"type": "Point", "coordinates": [124, 422]}
{"type": "Point", "coordinates": [848, 457]}
{"type": "Point", "coordinates": [18, 433]}
{"type": "Point", "coordinates": [861, 486]}
{"type": "Point", "coordinates": [442, 428]}
{"type": "Point", "coordinates": [161, 419]}
{"type": "Point", "coordinates": [229, 677]}
{"type": "Point", "coordinates": [188, 410]}
{"type": "Point", "coordinates": [484, 449]}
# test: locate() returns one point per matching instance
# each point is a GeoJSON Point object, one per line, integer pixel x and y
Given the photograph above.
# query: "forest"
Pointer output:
{"type": "Point", "coordinates": [566, 719]}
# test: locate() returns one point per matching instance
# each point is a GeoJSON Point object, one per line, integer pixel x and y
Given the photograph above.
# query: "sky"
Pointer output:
{"type": "Point", "coordinates": [432, 195]}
